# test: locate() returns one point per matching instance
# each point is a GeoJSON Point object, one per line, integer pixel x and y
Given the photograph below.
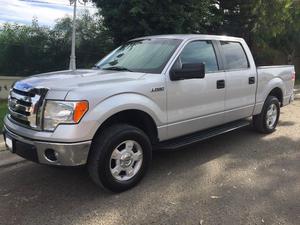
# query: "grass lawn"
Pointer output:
{"type": "Point", "coordinates": [3, 109]}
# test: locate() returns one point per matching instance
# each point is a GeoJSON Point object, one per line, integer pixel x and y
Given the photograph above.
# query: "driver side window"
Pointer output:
{"type": "Point", "coordinates": [198, 52]}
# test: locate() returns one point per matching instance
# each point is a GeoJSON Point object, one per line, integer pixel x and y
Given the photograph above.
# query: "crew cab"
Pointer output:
{"type": "Point", "coordinates": [152, 93]}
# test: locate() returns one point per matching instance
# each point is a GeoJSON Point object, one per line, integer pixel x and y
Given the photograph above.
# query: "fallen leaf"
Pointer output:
{"type": "Point", "coordinates": [6, 195]}
{"type": "Point", "coordinates": [215, 196]}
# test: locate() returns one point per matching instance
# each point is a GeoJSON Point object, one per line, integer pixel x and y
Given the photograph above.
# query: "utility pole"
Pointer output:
{"type": "Point", "coordinates": [73, 57]}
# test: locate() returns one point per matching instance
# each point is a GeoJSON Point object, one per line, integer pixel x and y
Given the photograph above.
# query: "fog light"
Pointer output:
{"type": "Point", "coordinates": [51, 155]}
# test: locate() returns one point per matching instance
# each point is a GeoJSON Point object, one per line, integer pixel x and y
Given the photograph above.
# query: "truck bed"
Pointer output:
{"type": "Point", "coordinates": [268, 75]}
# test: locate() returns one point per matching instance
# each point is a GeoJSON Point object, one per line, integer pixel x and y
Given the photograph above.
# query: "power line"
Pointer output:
{"type": "Point", "coordinates": [56, 3]}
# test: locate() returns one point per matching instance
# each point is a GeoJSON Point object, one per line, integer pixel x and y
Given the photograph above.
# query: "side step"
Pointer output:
{"type": "Point", "coordinates": [201, 135]}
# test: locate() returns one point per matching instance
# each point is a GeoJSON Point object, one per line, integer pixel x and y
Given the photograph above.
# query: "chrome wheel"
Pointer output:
{"type": "Point", "coordinates": [126, 160]}
{"type": "Point", "coordinates": [271, 116]}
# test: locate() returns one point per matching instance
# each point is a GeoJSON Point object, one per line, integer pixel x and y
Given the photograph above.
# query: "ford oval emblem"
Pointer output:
{"type": "Point", "coordinates": [22, 86]}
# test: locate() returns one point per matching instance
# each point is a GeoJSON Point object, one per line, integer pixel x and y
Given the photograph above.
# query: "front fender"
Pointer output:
{"type": "Point", "coordinates": [125, 101]}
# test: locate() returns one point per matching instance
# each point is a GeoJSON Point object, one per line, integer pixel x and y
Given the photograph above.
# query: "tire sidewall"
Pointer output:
{"type": "Point", "coordinates": [105, 151]}
{"type": "Point", "coordinates": [271, 100]}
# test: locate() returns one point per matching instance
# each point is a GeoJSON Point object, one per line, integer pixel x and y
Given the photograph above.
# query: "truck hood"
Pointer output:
{"type": "Point", "coordinates": [68, 80]}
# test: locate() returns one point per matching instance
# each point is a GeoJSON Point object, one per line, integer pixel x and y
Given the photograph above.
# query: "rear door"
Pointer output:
{"type": "Point", "coordinates": [241, 81]}
{"type": "Point", "coordinates": [196, 104]}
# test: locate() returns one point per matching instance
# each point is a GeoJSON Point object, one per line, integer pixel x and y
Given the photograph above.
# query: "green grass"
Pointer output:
{"type": "Point", "coordinates": [3, 110]}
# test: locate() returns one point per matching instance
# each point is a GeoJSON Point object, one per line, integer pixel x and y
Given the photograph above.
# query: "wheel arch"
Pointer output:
{"type": "Point", "coordinates": [135, 117]}
{"type": "Point", "coordinates": [278, 93]}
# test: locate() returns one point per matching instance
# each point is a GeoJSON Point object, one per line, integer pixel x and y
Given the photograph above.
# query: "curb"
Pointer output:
{"type": "Point", "coordinates": [2, 147]}
{"type": "Point", "coordinates": [8, 159]}
{"type": "Point", "coordinates": [2, 144]}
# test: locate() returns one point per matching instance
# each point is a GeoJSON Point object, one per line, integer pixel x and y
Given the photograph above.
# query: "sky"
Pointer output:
{"type": "Point", "coordinates": [46, 11]}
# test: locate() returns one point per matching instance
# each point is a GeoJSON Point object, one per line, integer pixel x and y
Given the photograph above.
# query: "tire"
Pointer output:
{"type": "Point", "coordinates": [119, 148]}
{"type": "Point", "coordinates": [262, 122]}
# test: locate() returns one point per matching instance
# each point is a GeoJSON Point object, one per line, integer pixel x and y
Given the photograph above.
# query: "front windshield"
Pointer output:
{"type": "Point", "coordinates": [146, 55]}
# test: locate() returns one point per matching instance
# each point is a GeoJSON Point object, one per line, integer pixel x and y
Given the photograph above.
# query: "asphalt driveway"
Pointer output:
{"type": "Point", "coordinates": [238, 178]}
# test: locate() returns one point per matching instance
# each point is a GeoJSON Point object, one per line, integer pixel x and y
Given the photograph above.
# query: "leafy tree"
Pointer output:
{"type": "Point", "coordinates": [32, 49]}
{"type": "Point", "coordinates": [92, 38]}
{"type": "Point", "coordinates": [276, 31]}
{"type": "Point", "coordinates": [270, 28]}
{"type": "Point", "coordinates": [236, 18]}
{"type": "Point", "coordinates": [134, 18]}
{"type": "Point", "coordinates": [21, 45]}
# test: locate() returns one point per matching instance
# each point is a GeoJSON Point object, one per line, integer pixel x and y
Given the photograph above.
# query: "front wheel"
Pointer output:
{"type": "Point", "coordinates": [119, 157]}
{"type": "Point", "coordinates": [267, 120]}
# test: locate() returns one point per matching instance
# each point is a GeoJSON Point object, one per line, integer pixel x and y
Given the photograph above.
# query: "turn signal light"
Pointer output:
{"type": "Point", "coordinates": [80, 109]}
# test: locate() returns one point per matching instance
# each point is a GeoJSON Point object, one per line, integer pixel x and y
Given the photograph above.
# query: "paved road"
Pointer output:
{"type": "Point", "coordinates": [238, 178]}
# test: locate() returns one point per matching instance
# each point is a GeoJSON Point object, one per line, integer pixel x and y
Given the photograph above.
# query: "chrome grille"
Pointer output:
{"type": "Point", "coordinates": [25, 105]}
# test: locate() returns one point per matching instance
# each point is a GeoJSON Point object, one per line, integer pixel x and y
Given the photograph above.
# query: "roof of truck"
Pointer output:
{"type": "Point", "coordinates": [193, 36]}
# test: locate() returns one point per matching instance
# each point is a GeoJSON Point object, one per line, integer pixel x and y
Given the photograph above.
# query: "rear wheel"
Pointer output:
{"type": "Point", "coordinates": [119, 157]}
{"type": "Point", "coordinates": [267, 120]}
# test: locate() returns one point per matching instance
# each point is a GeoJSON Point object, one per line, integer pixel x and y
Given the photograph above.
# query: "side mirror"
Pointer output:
{"type": "Point", "coordinates": [188, 71]}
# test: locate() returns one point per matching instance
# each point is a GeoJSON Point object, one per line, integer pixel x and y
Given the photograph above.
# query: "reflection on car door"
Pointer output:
{"type": "Point", "coordinates": [240, 82]}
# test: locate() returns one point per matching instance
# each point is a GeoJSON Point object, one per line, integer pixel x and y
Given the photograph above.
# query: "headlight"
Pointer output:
{"type": "Point", "coordinates": [57, 112]}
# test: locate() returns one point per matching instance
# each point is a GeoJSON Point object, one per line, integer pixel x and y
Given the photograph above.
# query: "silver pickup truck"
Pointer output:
{"type": "Point", "coordinates": [157, 92]}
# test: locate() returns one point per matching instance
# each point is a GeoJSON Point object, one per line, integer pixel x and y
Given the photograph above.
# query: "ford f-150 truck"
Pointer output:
{"type": "Point", "coordinates": [156, 92]}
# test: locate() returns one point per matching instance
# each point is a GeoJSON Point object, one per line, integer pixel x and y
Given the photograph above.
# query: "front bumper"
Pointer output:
{"type": "Point", "coordinates": [65, 154]}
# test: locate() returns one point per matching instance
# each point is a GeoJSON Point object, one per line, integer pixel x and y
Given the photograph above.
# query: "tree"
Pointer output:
{"type": "Point", "coordinates": [269, 27]}
{"type": "Point", "coordinates": [236, 18]}
{"type": "Point", "coordinates": [134, 18]}
{"type": "Point", "coordinates": [22, 45]}
{"type": "Point", "coordinates": [92, 38]}
{"type": "Point", "coordinates": [276, 31]}
{"type": "Point", "coordinates": [32, 49]}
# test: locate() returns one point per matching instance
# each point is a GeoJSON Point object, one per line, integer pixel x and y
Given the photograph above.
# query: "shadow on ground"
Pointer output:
{"type": "Point", "coordinates": [238, 178]}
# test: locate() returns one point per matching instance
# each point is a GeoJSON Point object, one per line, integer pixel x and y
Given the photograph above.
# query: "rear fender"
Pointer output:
{"type": "Point", "coordinates": [264, 90]}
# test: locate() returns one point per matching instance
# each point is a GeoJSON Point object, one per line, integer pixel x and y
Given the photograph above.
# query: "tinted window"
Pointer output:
{"type": "Point", "coordinates": [234, 55]}
{"type": "Point", "coordinates": [147, 56]}
{"type": "Point", "coordinates": [200, 52]}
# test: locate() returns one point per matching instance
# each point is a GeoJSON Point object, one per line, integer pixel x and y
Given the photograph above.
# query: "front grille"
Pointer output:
{"type": "Point", "coordinates": [25, 105]}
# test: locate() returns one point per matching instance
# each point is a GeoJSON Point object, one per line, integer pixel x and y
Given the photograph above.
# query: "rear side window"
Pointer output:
{"type": "Point", "coordinates": [235, 55]}
{"type": "Point", "coordinates": [200, 52]}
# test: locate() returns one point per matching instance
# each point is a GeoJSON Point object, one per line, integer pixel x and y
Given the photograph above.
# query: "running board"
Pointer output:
{"type": "Point", "coordinates": [201, 135]}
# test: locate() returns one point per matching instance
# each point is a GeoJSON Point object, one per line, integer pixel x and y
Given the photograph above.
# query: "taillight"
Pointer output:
{"type": "Point", "coordinates": [294, 76]}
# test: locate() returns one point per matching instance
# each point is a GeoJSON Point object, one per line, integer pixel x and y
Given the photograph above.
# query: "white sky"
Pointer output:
{"type": "Point", "coordinates": [46, 11]}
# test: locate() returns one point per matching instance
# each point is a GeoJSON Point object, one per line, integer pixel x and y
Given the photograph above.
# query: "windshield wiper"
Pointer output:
{"type": "Point", "coordinates": [96, 67]}
{"type": "Point", "coordinates": [117, 68]}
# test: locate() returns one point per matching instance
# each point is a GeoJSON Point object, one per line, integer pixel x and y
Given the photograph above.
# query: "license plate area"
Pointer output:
{"type": "Point", "coordinates": [9, 143]}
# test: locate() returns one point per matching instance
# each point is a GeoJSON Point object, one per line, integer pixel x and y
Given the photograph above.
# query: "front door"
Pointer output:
{"type": "Point", "coordinates": [196, 104]}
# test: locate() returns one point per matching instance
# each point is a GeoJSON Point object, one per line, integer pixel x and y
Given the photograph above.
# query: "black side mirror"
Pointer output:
{"type": "Point", "coordinates": [188, 71]}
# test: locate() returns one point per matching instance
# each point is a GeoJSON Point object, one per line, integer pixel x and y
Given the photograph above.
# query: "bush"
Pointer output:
{"type": "Point", "coordinates": [32, 49]}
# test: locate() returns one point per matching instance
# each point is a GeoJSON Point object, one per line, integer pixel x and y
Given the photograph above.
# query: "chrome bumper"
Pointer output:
{"type": "Point", "coordinates": [64, 154]}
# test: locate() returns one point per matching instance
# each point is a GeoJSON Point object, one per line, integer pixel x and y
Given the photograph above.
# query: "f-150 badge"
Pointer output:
{"type": "Point", "coordinates": [157, 89]}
